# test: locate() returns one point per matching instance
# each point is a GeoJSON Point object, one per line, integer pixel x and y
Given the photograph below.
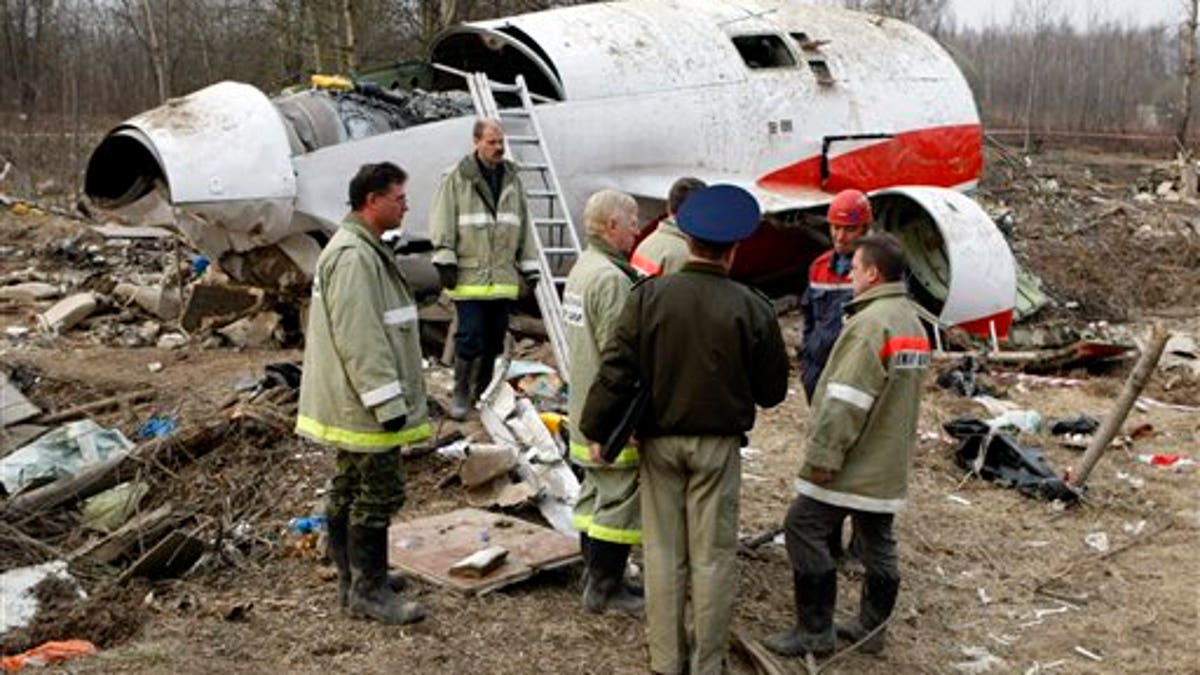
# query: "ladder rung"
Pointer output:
{"type": "Point", "coordinates": [559, 250]}
{"type": "Point", "coordinates": [559, 280]}
{"type": "Point", "coordinates": [514, 113]}
{"type": "Point", "coordinates": [551, 222]}
{"type": "Point", "coordinates": [533, 166]}
{"type": "Point", "coordinates": [531, 140]}
{"type": "Point", "coordinates": [544, 194]}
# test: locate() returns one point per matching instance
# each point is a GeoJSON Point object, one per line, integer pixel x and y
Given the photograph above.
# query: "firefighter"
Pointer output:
{"type": "Point", "coordinates": [704, 384]}
{"type": "Point", "coordinates": [607, 513]}
{"type": "Point", "coordinates": [860, 442]}
{"type": "Point", "coordinates": [361, 391]}
{"type": "Point", "coordinates": [483, 245]}
{"type": "Point", "coordinates": [665, 250]}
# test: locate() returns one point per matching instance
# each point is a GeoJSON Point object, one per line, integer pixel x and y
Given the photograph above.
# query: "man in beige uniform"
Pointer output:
{"type": "Point", "coordinates": [709, 349]}
{"type": "Point", "coordinates": [607, 514]}
{"type": "Point", "coordinates": [665, 250]}
{"type": "Point", "coordinates": [362, 391]}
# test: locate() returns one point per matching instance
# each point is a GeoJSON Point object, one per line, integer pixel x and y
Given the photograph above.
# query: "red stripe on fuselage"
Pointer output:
{"type": "Point", "coordinates": [941, 156]}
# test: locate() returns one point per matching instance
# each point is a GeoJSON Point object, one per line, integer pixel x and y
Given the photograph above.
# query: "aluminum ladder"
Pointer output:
{"type": "Point", "coordinates": [557, 243]}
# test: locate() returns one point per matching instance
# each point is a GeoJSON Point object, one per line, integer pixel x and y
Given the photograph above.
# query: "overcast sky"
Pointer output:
{"type": "Point", "coordinates": [979, 13]}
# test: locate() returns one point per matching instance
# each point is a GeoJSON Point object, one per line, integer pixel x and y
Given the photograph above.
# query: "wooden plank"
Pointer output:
{"type": "Point", "coordinates": [14, 407]}
{"type": "Point", "coordinates": [428, 547]}
{"type": "Point", "coordinates": [133, 537]}
{"type": "Point", "coordinates": [171, 557]}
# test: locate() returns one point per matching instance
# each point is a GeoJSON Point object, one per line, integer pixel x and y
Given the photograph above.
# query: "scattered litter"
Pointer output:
{"type": "Point", "coordinates": [1098, 541]}
{"type": "Point", "coordinates": [29, 292]}
{"type": "Point", "coordinates": [1141, 432]}
{"type": "Point", "coordinates": [1004, 640]}
{"type": "Point", "coordinates": [1039, 614]}
{"type": "Point", "coordinates": [1005, 462]}
{"type": "Point", "coordinates": [1080, 424]}
{"type": "Point", "coordinates": [1166, 460]}
{"type": "Point", "coordinates": [1145, 402]}
{"type": "Point", "coordinates": [982, 661]}
{"type": "Point", "coordinates": [481, 563]}
{"type": "Point", "coordinates": [171, 341]}
{"type": "Point", "coordinates": [16, 331]}
{"type": "Point", "coordinates": [455, 451]}
{"type": "Point", "coordinates": [307, 524]}
{"type": "Point", "coordinates": [1038, 380]}
{"type": "Point", "coordinates": [110, 509]}
{"type": "Point", "coordinates": [154, 366]}
{"type": "Point", "coordinates": [960, 378]}
{"type": "Point", "coordinates": [1135, 482]}
{"type": "Point", "coordinates": [1024, 421]}
{"type": "Point", "coordinates": [1088, 654]}
{"type": "Point", "coordinates": [1133, 529]}
{"type": "Point", "coordinates": [61, 452]}
{"type": "Point", "coordinates": [984, 598]}
{"type": "Point", "coordinates": [518, 369]}
{"type": "Point", "coordinates": [158, 426]}
{"type": "Point", "coordinates": [959, 500]}
{"type": "Point", "coordinates": [68, 312]}
{"type": "Point", "coordinates": [48, 653]}
{"type": "Point", "coordinates": [18, 605]}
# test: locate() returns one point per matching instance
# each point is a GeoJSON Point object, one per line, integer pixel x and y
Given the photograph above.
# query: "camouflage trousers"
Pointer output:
{"type": "Point", "coordinates": [368, 486]}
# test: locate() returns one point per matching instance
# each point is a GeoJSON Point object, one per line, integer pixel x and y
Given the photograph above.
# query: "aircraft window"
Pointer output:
{"type": "Point", "coordinates": [764, 51]}
{"type": "Point", "coordinates": [821, 70]}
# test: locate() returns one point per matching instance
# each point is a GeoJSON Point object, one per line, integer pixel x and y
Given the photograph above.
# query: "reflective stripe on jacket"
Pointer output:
{"type": "Point", "coordinates": [490, 241]}
{"type": "Point", "coordinates": [595, 293]}
{"type": "Point", "coordinates": [362, 355]}
{"type": "Point", "coordinates": [663, 252]}
{"type": "Point", "coordinates": [863, 423]}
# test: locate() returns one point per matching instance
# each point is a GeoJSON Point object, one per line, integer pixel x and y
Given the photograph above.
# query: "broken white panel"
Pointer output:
{"type": "Point", "coordinates": [18, 605]}
{"type": "Point", "coordinates": [514, 421]}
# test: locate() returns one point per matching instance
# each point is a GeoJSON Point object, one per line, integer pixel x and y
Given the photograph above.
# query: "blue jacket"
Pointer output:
{"type": "Point", "coordinates": [823, 305]}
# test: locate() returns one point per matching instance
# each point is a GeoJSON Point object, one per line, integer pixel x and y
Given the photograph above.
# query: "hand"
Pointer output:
{"type": "Point", "coordinates": [395, 424]}
{"type": "Point", "coordinates": [821, 476]}
{"type": "Point", "coordinates": [596, 452]}
{"type": "Point", "coordinates": [448, 275]}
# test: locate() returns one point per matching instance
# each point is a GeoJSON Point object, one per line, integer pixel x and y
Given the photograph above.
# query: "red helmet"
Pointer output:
{"type": "Point", "coordinates": [850, 208]}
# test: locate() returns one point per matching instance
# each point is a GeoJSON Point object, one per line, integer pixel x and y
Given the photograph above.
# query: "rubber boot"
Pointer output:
{"type": "Point", "coordinates": [339, 554]}
{"type": "Point", "coordinates": [460, 405]}
{"type": "Point", "coordinates": [481, 375]}
{"type": "Point", "coordinates": [813, 632]}
{"type": "Point", "coordinates": [877, 602]}
{"type": "Point", "coordinates": [606, 588]}
{"type": "Point", "coordinates": [584, 549]}
{"type": "Point", "coordinates": [369, 595]}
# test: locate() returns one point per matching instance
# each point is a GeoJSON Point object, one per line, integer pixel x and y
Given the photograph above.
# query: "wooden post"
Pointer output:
{"type": "Point", "coordinates": [1116, 417]}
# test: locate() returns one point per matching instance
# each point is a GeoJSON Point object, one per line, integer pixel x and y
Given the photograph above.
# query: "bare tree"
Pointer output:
{"type": "Point", "coordinates": [1187, 54]}
{"type": "Point", "coordinates": [929, 15]}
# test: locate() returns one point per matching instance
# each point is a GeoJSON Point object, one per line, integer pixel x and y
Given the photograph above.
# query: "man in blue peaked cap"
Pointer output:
{"type": "Point", "coordinates": [708, 349]}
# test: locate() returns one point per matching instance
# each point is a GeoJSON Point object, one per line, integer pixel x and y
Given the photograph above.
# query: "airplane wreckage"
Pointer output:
{"type": "Point", "coordinates": [792, 102]}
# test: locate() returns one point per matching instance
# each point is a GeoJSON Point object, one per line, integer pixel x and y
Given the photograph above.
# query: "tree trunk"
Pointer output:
{"type": "Point", "coordinates": [1187, 51]}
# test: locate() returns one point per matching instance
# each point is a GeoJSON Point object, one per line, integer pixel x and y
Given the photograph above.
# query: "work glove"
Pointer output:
{"type": "Point", "coordinates": [531, 279]}
{"type": "Point", "coordinates": [448, 275]}
{"type": "Point", "coordinates": [394, 424]}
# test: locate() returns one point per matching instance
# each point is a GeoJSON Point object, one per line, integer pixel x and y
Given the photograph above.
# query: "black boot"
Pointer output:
{"type": "Point", "coordinates": [340, 555]}
{"type": "Point", "coordinates": [815, 596]}
{"type": "Point", "coordinates": [606, 587]}
{"type": "Point", "coordinates": [369, 595]}
{"type": "Point", "coordinates": [460, 405]}
{"type": "Point", "coordinates": [481, 376]}
{"type": "Point", "coordinates": [584, 549]}
{"type": "Point", "coordinates": [878, 600]}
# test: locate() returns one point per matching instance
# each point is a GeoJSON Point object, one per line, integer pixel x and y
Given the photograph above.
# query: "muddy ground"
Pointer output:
{"type": "Point", "coordinates": [984, 567]}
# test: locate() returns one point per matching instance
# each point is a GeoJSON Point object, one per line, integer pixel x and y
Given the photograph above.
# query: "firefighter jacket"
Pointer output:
{"type": "Point", "coordinates": [362, 355]}
{"type": "Point", "coordinates": [822, 305]}
{"type": "Point", "coordinates": [593, 298]}
{"type": "Point", "coordinates": [863, 423]}
{"type": "Point", "coordinates": [663, 252]}
{"type": "Point", "coordinates": [708, 347]}
{"type": "Point", "coordinates": [490, 241]}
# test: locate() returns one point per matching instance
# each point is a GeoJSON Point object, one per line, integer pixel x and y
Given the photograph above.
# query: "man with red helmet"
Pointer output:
{"type": "Point", "coordinates": [829, 284]}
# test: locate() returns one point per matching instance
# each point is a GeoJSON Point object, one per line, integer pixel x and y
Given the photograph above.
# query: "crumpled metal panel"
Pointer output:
{"type": "Point", "coordinates": [222, 143]}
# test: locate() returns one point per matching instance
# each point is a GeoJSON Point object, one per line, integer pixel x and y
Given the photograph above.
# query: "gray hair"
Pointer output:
{"type": "Point", "coordinates": [604, 205]}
